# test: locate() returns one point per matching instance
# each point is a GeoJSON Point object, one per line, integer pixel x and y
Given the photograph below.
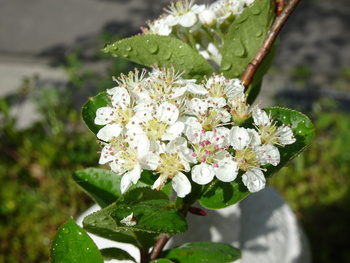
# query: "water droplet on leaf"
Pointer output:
{"type": "Point", "coordinates": [128, 48]}
{"type": "Point", "coordinates": [239, 49]}
{"type": "Point", "coordinates": [151, 47]}
{"type": "Point", "coordinates": [65, 230]}
{"type": "Point", "coordinates": [255, 9]}
{"type": "Point", "coordinates": [226, 66]}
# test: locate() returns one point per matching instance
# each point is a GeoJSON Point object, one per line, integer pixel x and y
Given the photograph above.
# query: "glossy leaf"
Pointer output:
{"type": "Point", "coordinates": [198, 252]}
{"type": "Point", "coordinates": [115, 253]}
{"type": "Point", "coordinates": [164, 51]}
{"type": "Point", "coordinates": [152, 211]}
{"type": "Point", "coordinates": [102, 185]}
{"type": "Point", "coordinates": [88, 111]}
{"type": "Point", "coordinates": [245, 37]}
{"type": "Point", "coordinates": [72, 244]}
{"type": "Point", "coordinates": [219, 194]}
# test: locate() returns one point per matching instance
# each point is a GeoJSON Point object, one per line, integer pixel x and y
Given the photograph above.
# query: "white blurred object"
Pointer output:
{"type": "Point", "coordinates": [263, 226]}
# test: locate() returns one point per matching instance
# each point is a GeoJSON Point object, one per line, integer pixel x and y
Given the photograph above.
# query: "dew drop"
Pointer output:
{"type": "Point", "coordinates": [95, 176]}
{"type": "Point", "coordinates": [255, 9]}
{"type": "Point", "coordinates": [239, 49]}
{"type": "Point", "coordinates": [125, 55]}
{"type": "Point", "coordinates": [151, 47]}
{"type": "Point", "coordinates": [167, 54]}
{"type": "Point", "coordinates": [258, 32]}
{"type": "Point", "coordinates": [128, 48]}
{"type": "Point", "coordinates": [226, 66]}
{"type": "Point", "coordinates": [65, 230]}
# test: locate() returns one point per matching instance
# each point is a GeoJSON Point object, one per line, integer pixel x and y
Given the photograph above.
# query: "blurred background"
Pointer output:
{"type": "Point", "coordinates": [50, 64]}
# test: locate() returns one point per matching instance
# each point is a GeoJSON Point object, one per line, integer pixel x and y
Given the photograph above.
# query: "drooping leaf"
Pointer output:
{"type": "Point", "coordinates": [115, 253]}
{"type": "Point", "coordinates": [245, 37]}
{"type": "Point", "coordinates": [102, 185]}
{"type": "Point", "coordinates": [88, 111]}
{"type": "Point", "coordinates": [220, 194]}
{"type": "Point", "coordinates": [164, 51]}
{"type": "Point", "coordinates": [199, 252]}
{"type": "Point", "coordinates": [72, 244]}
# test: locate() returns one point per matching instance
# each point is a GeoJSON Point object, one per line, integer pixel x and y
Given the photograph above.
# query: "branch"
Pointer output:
{"type": "Point", "coordinates": [158, 246]}
{"type": "Point", "coordinates": [266, 46]}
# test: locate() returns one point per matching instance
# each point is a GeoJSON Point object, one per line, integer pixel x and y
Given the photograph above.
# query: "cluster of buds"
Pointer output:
{"type": "Point", "coordinates": [203, 27]}
{"type": "Point", "coordinates": [182, 131]}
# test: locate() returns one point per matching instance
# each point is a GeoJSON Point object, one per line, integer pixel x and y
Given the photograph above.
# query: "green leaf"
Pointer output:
{"type": "Point", "coordinates": [303, 131]}
{"type": "Point", "coordinates": [102, 185]}
{"type": "Point", "coordinates": [162, 260]}
{"type": "Point", "coordinates": [203, 252]}
{"type": "Point", "coordinates": [72, 244]}
{"type": "Point", "coordinates": [88, 111]}
{"type": "Point", "coordinates": [156, 216]}
{"type": "Point", "coordinates": [116, 253]}
{"type": "Point", "coordinates": [245, 37]}
{"type": "Point", "coordinates": [152, 211]}
{"type": "Point", "coordinates": [219, 194]}
{"type": "Point", "coordinates": [164, 51]}
{"type": "Point", "coordinates": [100, 223]}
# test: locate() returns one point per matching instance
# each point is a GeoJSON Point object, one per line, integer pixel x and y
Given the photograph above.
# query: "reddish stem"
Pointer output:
{"type": "Point", "coordinates": [270, 38]}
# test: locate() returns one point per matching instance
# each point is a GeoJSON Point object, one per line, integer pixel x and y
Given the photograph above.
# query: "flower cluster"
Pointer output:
{"type": "Point", "coordinates": [182, 131]}
{"type": "Point", "coordinates": [203, 27]}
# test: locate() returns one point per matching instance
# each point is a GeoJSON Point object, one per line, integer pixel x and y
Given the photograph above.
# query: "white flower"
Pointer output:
{"type": "Point", "coordinates": [267, 154]}
{"type": "Point", "coordinates": [133, 156]}
{"type": "Point", "coordinates": [170, 166]}
{"type": "Point", "coordinates": [269, 133]}
{"type": "Point", "coordinates": [207, 17]}
{"type": "Point", "coordinates": [158, 27]}
{"type": "Point", "coordinates": [129, 220]}
{"type": "Point", "coordinates": [184, 13]}
{"type": "Point", "coordinates": [254, 180]}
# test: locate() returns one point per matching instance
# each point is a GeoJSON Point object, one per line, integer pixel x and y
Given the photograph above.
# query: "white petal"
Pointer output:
{"type": "Point", "coordinates": [121, 98]}
{"type": "Point", "coordinates": [196, 89]}
{"type": "Point", "coordinates": [227, 168]}
{"type": "Point", "coordinates": [181, 185]}
{"type": "Point", "coordinates": [239, 138]}
{"type": "Point", "coordinates": [254, 180]}
{"type": "Point", "coordinates": [109, 131]}
{"type": "Point", "coordinates": [285, 135]}
{"type": "Point", "coordinates": [173, 131]}
{"type": "Point", "coordinates": [188, 19]}
{"type": "Point", "coordinates": [130, 177]}
{"type": "Point", "coordinates": [104, 115]}
{"type": "Point", "coordinates": [128, 220]}
{"type": "Point", "coordinates": [202, 173]}
{"type": "Point", "coordinates": [267, 154]}
{"type": "Point", "coordinates": [260, 117]}
{"type": "Point", "coordinates": [167, 113]}
{"type": "Point", "coordinates": [105, 156]}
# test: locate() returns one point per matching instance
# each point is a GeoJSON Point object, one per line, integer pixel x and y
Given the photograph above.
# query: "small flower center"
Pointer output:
{"type": "Point", "coordinates": [169, 165]}
{"type": "Point", "coordinates": [268, 134]}
{"type": "Point", "coordinates": [246, 159]}
{"type": "Point", "coordinates": [155, 129]}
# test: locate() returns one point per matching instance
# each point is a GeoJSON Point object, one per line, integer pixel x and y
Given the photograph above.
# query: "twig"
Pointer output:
{"type": "Point", "coordinates": [266, 46]}
{"type": "Point", "coordinates": [158, 246]}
